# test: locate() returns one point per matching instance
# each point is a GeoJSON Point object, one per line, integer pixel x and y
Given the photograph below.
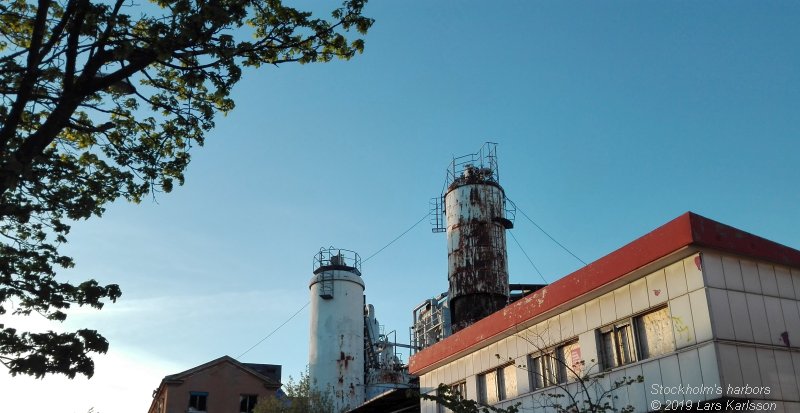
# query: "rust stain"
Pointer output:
{"type": "Point", "coordinates": [478, 269]}
{"type": "Point", "coordinates": [344, 360]}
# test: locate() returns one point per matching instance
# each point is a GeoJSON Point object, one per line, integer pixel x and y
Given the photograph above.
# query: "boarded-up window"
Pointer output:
{"type": "Point", "coordinates": [509, 382]}
{"type": "Point", "coordinates": [492, 386]}
{"type": "Point", "coordinates": [487, 387]}
{"type": "Point", "coordinates": [655, 333]}
{"type": "Point", "coordinates": [570, 364]}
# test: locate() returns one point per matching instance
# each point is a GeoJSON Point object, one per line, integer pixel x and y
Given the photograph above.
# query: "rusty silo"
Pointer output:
{"type": "Point", "coordinates": [475, 221]}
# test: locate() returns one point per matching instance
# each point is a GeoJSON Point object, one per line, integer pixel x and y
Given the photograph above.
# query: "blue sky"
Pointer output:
{"type": "Point", "coordinates": [611, 118]}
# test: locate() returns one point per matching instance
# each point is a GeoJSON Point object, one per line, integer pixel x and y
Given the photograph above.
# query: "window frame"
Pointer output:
{"type": "Point", "coordinates": [636, 334]}
{"type": "Point", "coordinates": [552, 360]}
{"type": "Point", "coordinates": [614, 331]}
{"type": "Point", "coordinates": [499, 393]}
{"type": "Point", "coordinates": [461, 388]}
{"type": "Point", "coordinates": [244, 401]}
{"type": "Point", "coordinates": [202, 400]}
{"type": "Point", "coordinates": [641, 335]}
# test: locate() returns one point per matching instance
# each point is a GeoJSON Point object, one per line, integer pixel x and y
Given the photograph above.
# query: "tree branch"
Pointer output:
{"type": "Point", "coordinates": [31, 75]}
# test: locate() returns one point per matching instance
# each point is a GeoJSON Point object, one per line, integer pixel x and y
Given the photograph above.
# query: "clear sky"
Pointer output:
{"type": "Point", "coordinates": [612, 118]}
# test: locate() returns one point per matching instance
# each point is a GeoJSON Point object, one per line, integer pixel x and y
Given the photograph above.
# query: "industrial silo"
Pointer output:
{"type": "Point", "coordinates": [336, 348]}
{"type": "Point", "coordinates": [475, 219]}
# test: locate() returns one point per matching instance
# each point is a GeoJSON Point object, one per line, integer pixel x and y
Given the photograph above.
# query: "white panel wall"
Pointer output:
{"type": "Point", "coordinates": [682, 321]}
{"type": "Point", "coordinates": [742, 327]}
{"type": "Point", "coordinates": [721, 320]}
{"type": "Point", "coordinates": [786, 375]}
{"type": "Point", "coordinates": [694, 272]}
{"type": "Point", "coordinates": [774, 319]}
{"type": "Point", "coordinates": [730, 368]}
{"type": "Point", "coordinates": [701, 316]}
{"type": "Point", "coordinates": [783, 277]}
{"type": "Point", "coordinates": [752, 283]}
{"type": "Point", "coordinates": [670, 375]}
{"type": "Point", "coordinates": [755, 306]}
{"type": "Point", "coordinates": [579, 320]}
{"type": "Point", "coordinates": [733, 274]}
{"type": "Point", "coordinates": [657, 288]}
{"type": "Point", "coordinates": [796, 282]}
{"type": "Point", "coordinates": [639, 300]}
{"type": "Point", "coordinates": [676, 279]}
{"type": "Point", "coordinates": [608, 313]}
{"type": "Point", "coordinates": [637, 393]}
{"type": "Point", "coordinates": [622, 302]}
{"type": "Point", "coordinates": [588, 343]}
{"type": "Point", "coordinates": [768, 369]}
{"type": "Point", "coordinates": [758, 318]}
{"type": "Point", "coordinates": [593, 314]}
{"type": "Point", "coordinates": [712, 270]}
{"type": "Point", "coordinates": [710, 297]}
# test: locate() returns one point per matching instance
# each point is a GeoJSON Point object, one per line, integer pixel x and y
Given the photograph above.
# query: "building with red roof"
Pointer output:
{"type": "Point", "coordinates": [695, 314]}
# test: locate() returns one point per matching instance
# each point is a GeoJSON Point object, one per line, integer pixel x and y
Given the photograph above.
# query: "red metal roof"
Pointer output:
{"type": "Point", "coordinates": [688, 229]}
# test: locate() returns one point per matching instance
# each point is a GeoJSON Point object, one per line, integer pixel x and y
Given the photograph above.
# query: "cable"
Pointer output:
{"type": "Point", "coordinates": [306, 304]}
{"type": "Point", "coordinates": [526, 256]}
{"type": "Point", "coordinates": [397, 238]}
{"type": "Point", "coordinates": [545, 233]}
{"type": "Point", "coordinates": [276, 329]}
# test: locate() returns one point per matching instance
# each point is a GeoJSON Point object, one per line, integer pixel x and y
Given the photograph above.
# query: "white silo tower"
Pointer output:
{"type": "Point", "coordinates": [336, 349]}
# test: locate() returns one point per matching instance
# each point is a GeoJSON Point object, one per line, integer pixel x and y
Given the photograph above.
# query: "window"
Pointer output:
{"type": "Point", "coordinates": [197, 401]}
{"type": "Point", "coordinates": [457, 390]}
{"type": "Point", "coordinates": [641, 337]}
{"type": "Point", "coordinates": [508, 388]}
{"type": "Point", "coordinates": [655, 333]}
{"type": "Point", "coordinates": [556, 365]}
{"type": "Point", "coordinates": [498, 384]}
{"type": "Point", "coordinates": [543, 370]}
{"type": "Point", "coordinates": [617, 345]}
{"type": "Point", "coordinates": [570, 361]}
{"type": "Point", "coordinates": [247, 402]}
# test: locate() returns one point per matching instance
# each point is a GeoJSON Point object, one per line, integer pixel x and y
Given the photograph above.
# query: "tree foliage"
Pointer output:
{"type": "Point", "coordinates": [103, 100]}
{"type": "Point", "coordinates": [585, 390]}
{"type": "Point", "coordinates": [454, 401]}
{"type": "Point", "coordinates": [300, 397]}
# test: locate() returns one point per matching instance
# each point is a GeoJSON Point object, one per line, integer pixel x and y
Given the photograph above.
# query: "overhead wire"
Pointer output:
{"type": "Point", "coordinates": [545, 233]}
{"type": "Point", "coordinates": [527, 256]}
{"type": "Point", "coordinates": [396, 238]}
{"type": "Point", "coordinates": [275, 330]}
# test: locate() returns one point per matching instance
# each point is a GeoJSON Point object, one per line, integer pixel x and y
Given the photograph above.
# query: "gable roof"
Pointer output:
{"type": "Point", "coordinates": [261, 371]}
{"type": "Point", "coordinates": [684, 231]}
{"type": "Point", "coordinates": [272, 371]}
